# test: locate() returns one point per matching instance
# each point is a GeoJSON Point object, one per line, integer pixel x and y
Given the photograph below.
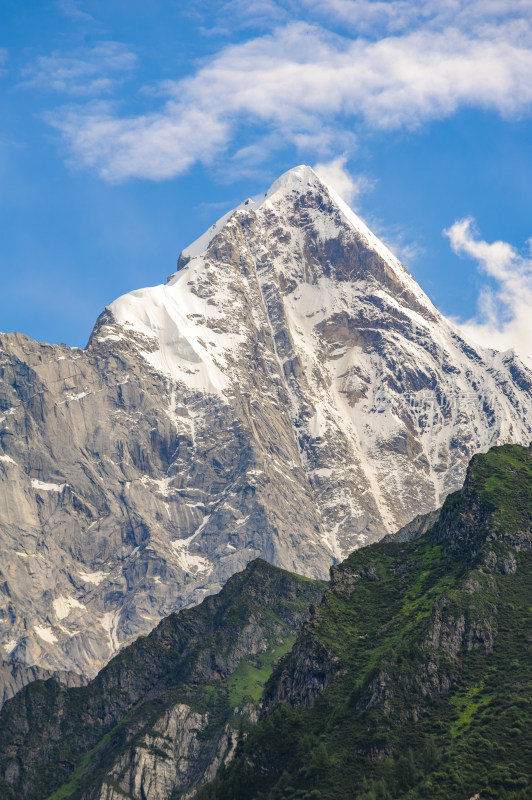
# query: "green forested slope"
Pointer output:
{"type": "Point", "coordinates": [424, 649]}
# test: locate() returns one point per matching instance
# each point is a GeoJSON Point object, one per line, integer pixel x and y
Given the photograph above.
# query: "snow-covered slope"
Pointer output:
{"type": "Point", "coordinates": [290, 392]}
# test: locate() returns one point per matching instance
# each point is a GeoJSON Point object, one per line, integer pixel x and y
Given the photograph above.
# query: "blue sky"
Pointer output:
{"type": "Point", "coordinates": [128, 128]}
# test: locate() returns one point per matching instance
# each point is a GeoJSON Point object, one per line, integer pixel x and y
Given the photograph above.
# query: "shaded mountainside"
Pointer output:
{"type": "Point", "coordinates": [413, 677]}
{"type": "Point", "coordinates": [166, 711]}
{"type": "Point", "coordinates": [415, 528]}
{"type": "Point", "coordinates": [14, 675]}
{"type": "Point", "coordinates": [290, 393]}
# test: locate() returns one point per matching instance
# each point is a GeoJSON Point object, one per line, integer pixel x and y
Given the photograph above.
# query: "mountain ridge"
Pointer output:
{"type": "Point", "coordinates": [289, 394]}
{"type": "Point", "coordinates": [193, 679]}
{"type": "Point", "coordinates": [411, 679]}
{"type": "Point", "coordinates": [408, 677]}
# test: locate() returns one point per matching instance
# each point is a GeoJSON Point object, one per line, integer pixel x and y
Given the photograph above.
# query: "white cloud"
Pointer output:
{"type": "Point", "coordinates": [504, 320]}
{"type": "Point", "coordinates": [84, 71]}
{"type": "Point", "coordinates": [305, 86]}
{"type": "Point", "coordinates": [154, 146]}
{"type": "Point", "coordinates": [335, 174]}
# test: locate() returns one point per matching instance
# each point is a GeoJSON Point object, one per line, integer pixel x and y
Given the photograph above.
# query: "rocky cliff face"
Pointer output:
{"type": "Point", "coordinates": [168, 710]}
{"type": "Point", "coordinates": [290, 393]}
{"type": "Point", "coordinates": [177, 753]}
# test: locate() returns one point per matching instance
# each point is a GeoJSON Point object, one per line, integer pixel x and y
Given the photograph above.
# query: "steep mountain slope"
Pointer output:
{"type": "Point", "coordinates": [166, 711]}
{"type": "Point", "coordinates": [14, 675]}
{"type": "Point", "coordinates": [290, 393]}
{"type": "Point", "coordinates": [413, 678]}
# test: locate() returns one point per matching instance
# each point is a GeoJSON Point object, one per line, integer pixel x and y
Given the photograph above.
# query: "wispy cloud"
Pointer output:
{"type": "Point", "coordinates": [348, 186]}
{"type": "Point", "coordinates": [306, 86]}
{"type": "Point", "coordinates": [503, 320]}
{"type": "Point", "coordinates": [87, 70]}
{"type": "Point", "coordinates": [240, 15]}
{"type": "Point", "coordinates": [4, 55]}
{"type": "Point", "coordinates": [351, 188]}
{"type": "Point", "coordinates": [403, 242]}
{"type": "Point", "coordinates": [70, 8]}
{"type": "Point", "coordinates": [154, 146]}
{"type": "Point", "coordinates": [381, 17]}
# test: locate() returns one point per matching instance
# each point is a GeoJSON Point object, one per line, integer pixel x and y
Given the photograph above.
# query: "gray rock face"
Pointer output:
{"type": "Point", "coordinates": [415, 528]}
{"type": "Point", "coordinates": [144, 772]}
{"type": "Point", "coordinates": [290, 393]}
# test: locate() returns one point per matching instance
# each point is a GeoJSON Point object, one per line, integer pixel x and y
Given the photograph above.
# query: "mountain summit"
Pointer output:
{"type": "Point", "coordinates": [290, 393]}
{"type": "Point", "coordinates": [291, 300]}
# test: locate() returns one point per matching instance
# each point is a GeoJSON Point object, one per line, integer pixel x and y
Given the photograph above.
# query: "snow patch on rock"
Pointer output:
{"type": "Point", "coordinates": [63, 605]}
{"type": "Point", "coordinates": [43, 486]}
{"type": "Point", "coordinates": [45, 633]}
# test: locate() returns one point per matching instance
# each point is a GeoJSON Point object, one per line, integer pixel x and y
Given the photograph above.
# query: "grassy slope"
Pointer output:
{"type": "Point", "coordinates": [413, 714]}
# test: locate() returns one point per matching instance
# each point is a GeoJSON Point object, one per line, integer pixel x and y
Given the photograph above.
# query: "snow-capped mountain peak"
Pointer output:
{"type": "Point", "coordinates": [289, 393]}
{"type": "Point", "coordinates": [298, 179]}
{"type": "Point", "coordinates": [339, 320]}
